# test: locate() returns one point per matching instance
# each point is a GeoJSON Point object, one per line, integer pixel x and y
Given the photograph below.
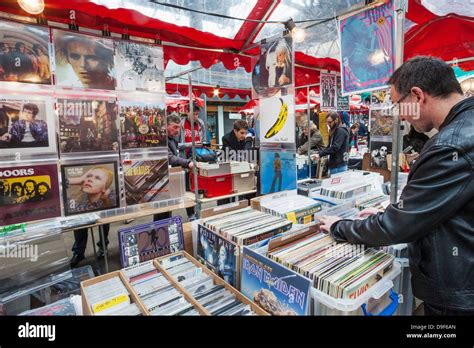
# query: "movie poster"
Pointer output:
{"type": "Point", "coordinates": [218, 254]}
{"type": "Point", "coordinates": [328, 90]}
{"type": "Point", "coordinates": [24, 53]}
{"type": "Point", "coordinates": [29, 193]}
{"type": "Point", "coordinates": [142, 125]}
{"type": "Point", "coordinates": [277, 120]}
{"type": "Point", "coordinates": [276, 63]}
{"type": "Point", "coordinates": [149, 241]}
{"type": "Point", "coordinates": [87, 125]}
{"type": "Point", "coordinates": [379, 150]}
{"type": "Point", "coordinates": [381, 123]}
{"type": "Point", "coordinates": [146, 180]}
{"type": "Point", "coordinates": [139, 67]}
{"type": "Point", "coordinates": [367, 49]}
{"type": "Point", "coordinates": [27, 126]}
{"type": "Point", "coordinates": [90, 187]}
{"type": "Point", "coordinates": [277, 171]}
{"type": "Point", "coordinates": [83, 61]}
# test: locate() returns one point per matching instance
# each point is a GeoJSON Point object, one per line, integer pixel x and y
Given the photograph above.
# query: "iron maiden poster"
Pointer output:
{"type": "Point", "coordinates": [29, 193]}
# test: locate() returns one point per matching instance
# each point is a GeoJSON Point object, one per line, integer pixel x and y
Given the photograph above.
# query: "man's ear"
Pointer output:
{"type": "Point", "coordinates": [419, 94]}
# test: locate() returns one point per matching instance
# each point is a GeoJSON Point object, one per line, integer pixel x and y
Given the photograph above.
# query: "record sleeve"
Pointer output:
{"type": "Point", "coordinates": [328, 91]}
{"type": "Point", "coordinates": [146, 180]}
{"type": "Point", "coordinates": [277, 119]}
{"type": "Point", "coordinates": [24, 53]}
{"type": "Point", "coordinates": [278, 171]}
{"type": "Point", "coordinates": [276, 63]}
{"type": "Point", "coordinates": [142, 125]}
{"type": "Point", "coordinates": [90, 187]}
{"type": "Point", "coordinates": [87, 125]}
{"type": "Point", "coordinates": [29, 193]}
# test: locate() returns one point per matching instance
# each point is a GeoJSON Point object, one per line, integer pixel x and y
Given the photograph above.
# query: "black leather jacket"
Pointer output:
{"type": "Point", "coordinates": [435, 215]}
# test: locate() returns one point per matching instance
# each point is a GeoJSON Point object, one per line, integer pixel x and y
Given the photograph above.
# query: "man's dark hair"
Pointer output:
{"type": "Point", "coordinates": [432, 75]}
{"type": "Point", "coordinates": [18, 44]}
{"type": "Point", "coordinates": [335, 116]}
{"type": "Point", "coordinates": [32, 181]}
{"type": "Point", "coordinates": [32, 107]}
{"type": "Point", "coordinates": [239, 124]}
{"type": "Point", "coordinates": [172, 119]}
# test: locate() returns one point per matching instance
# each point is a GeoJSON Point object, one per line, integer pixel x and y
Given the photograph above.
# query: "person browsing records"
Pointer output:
{"type": "Point", "coordinates": [238, 138]}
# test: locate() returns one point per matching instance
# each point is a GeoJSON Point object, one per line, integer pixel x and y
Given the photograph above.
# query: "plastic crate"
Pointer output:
{"type": "Point", "coordinates": [243, 182]}
{"type": "Point", "coordinates": [402, 285]}
{"type": "Point", "coordinates": [177, 184]}
{"type": "Point", "coordinates": [214, 169]}
{"type": "Point", "coordinates": [323, 304]}
{"type": "Point", "coordinates": [213, 186]}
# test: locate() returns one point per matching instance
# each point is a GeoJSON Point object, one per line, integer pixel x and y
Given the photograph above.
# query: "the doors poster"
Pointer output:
{"type": "Point", "coordinates": [24, 53]}
{"type": "Point", "coordinates": [87, 125]}
{"type": "Point", "coordinates": [139, 67]}
{"type": "Point", "coordinates": [328, 90]}
{"type": "Point", "coordinates": [26, 126]}
{"type": "Point", "coordinates": [84, 61]}
{"type": "Point", "coordinates": [277, 119]}
{"type": "Point", "coordinates": [278, 171]}
{"type": "Point", "coordinates": [90, 187]}
{"type": "Point", "coordinates": [29, 193]}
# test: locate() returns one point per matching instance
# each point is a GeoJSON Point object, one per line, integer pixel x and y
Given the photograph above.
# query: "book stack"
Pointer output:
{"type": "Point", "coordinates": [340, 270]}
{"type": "Point", "coordinates": [346, 191]}
{"type": "Point", "coordinates": [297, 209]}
{"type": "Point", "coordinates": [372, 201]}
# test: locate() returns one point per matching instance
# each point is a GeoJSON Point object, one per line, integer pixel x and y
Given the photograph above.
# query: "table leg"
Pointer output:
{"type": "Point", "coordinates": [104, 247]}
{"type": "Point", "coordinates": [97, 266]}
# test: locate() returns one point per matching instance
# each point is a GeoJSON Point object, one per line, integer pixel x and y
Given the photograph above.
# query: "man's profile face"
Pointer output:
{"type": "Point", "coordinates": [173, 129]}
{"type": "Point", "coordinates": [240, 134]}
{"type": "Point", "coordinates": [411, 110]}
{"type": "Point", "coordinates": [84, 61]}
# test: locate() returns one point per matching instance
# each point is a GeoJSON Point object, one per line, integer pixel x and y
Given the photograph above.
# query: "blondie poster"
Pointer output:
{"type": "Point", "coordinates": [24, 53]}
{"type": "Point", "coordinates": [139, 67]}
{"type": "Point", "coordinates": [87, 125]}
{"type": "Point", "coordinates": [368, 49]}
{"type": "Point", "coordinates": [142, 125]}
{"type": "Point", "coordinates": [90, 187]}
{"type": "Point", "coordinates": [276, 63]}
{"type": "Point", "coordinates": [26, 126]}
{"type": "Point", "coordinates": [278, 171]}
{"type": "Point", "coordinates": [29, 193]}
{"type": "Point", "coordinates": [84, 61]}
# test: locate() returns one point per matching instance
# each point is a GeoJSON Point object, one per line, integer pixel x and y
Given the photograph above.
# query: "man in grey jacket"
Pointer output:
{"type": "Point", "coordinates": [173, 127]}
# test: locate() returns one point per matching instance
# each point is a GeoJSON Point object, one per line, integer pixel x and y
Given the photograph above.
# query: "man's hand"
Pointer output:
{"type": "Point", "coordinates": [327, 222]}
{"type": "Point", "coordinates": [315, 157]}
{"type": "Point", "coordinates": [191, 165]}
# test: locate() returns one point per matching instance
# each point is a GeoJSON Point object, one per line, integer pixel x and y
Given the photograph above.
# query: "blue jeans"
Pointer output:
{"type": "Point", "coordinates": [338, 169]}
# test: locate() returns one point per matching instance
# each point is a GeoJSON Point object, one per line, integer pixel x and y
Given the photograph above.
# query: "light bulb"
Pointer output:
{"type": "Point", "coordinates": [298, 34]}
{"type": "Point", "coordinates": [32, 6]}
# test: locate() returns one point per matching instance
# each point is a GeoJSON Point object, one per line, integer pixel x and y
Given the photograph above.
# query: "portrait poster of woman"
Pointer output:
{"type": "Point", "coordinates": [276, 63]}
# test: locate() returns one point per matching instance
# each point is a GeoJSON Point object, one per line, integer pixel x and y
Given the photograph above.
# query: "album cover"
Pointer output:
{"type": "Point", "coordinates": [27, 126]}
{"type": "Point", "coordinates": [378, 153]}
{"type": "Point", "coordinates": [29, 193]}
{"type": "Point", "coordinates": [381, 123]}
{"type": "Point", "coordinates": [83, 61]}
{"type": "Point", "coordinates": [139, 67]}
{"type": "Point", "coordinates": [277, 119]}
{"type": "Point", "coordinates": [277, 171]}
{"type": "Point", "coordinates": [342, 102]}
{"type": "Point", "coordinates": [381, 98]}
{"type": "Point", "coordinates": [276, 63]}
{"type": "Point", "coordinates": [90, 187]}
{"type": "Point", "coordinates": [328, 90]}
{"type": "Point", "coordinates": [143, 125]}
{"type": "Point", "coordinates": [146, 180]}
{"type": "Point", "coordinates": [149, 241]}
{"type": "Point", "coordinates": [87, 125]}
{"type": "Point", "coordinates": [218, 254]}
{"type": "Point", "coordinates": [24, 53]}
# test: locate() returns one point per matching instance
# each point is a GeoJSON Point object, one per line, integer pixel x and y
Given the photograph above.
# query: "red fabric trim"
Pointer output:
{"type": "Point", "coordinates": [418, 13]}
{"type": "Point", "coordinates": [207, 90]}
{"type": "Point", "coordinates": [257, 13]}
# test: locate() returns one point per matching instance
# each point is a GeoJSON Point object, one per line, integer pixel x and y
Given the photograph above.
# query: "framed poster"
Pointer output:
{"type": "Point", "coordinates": [277, 171]}
{"type": "Point", "coordinates": [87, 125]}
{"type": "Point", "coordinates": [328, 90]}
{"type": "Point", "coordinates": [83, 61]}
{"type": "Point", "coordinates": [368, 49]}
{"type": "Point", "coordinates": [90, 187]}
{"type": "Point", "coordinates": [277, 119]}
{"type": "Point", "coordinates": [29, 192]}
{"type": "Point", "coordinates": [24, 53]}
{"type": "Point", "coordinates": [139, 67]}
{"type": "Point", "coordinates": [379, 150]}
{"type": "Point", "coordinates": [381, 123]}
{"type": "Point", "coordinates": [26, 126]}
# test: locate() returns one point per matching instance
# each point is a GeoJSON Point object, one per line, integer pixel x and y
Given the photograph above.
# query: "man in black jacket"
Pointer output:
{"type": "Point", "coordinates": [435, 214]}
{"type": "Point", "coordinates": [237, 139]}
{"type": "Point", "coordinates": [339, 144]}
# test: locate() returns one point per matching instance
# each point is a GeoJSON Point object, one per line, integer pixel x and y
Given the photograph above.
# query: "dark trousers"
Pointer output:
{"type": "Point", "coordinates": [276, 176]}
{"type": "Point", "coordinates": [80, 240]}
{"type": "Point", "coordinates": [431, 309]}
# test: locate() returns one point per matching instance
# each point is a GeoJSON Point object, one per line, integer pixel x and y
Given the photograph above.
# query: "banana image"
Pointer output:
{"type": "Point", "coordinates": [280, 122]}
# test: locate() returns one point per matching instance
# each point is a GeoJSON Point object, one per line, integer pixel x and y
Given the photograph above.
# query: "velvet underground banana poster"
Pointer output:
{"type": "Point", "coordinates": [277, 119]}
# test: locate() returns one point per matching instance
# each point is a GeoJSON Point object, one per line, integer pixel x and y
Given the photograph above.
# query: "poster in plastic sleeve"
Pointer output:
{"type": "Point", "coordinates": [29, 193]}
{"type": "Point", "coordinates": [26, 126]}
{"type": "Point", "coordinates": [277, 119]}
{"type": "Point", "coordinates": [276, 63]}
{"type": "Point", "coordinates": [146, 180]}
{"type": "Point", "coordinates": [90, 187]}
{"type": "Point", "coordinates": [379, 150]}
{"type": "Point", "coordinates": [142, 125]}
{"type": "Point", "coordinates": [368, 49]}
{"type": "Point", "coordinates": [87, 125]}
{"type": "Point", "coordinates": [277, 171]}
{"type": "Point", "coordinates": [328, 92]}
{"type": "Point", "coordinates": [218, 254]}
{"type": "Point", "coordinates": [273, 287]}
{"type": "Point", "coordinates": [83, 61]}
{"type": "Point", "coordinates": [149, 241]}
{"type": "Point", "coordinates": [24, 53]}
{"type": "Point", "coordinates": [381, 123]}
{"type": "Point", "coordinates": [139, 67]}
{"type": "Point", "coordinates": [342, 102]}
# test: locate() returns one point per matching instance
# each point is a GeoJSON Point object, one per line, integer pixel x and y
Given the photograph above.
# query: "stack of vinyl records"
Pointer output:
{"type": "Point", "coordinates": [216, 299]}
{"type": "Point", "coordinates": [110, 297]}
{"type": "Point", "coordinates": [158, 294]}
{"type": "Point", "coordinates": [340, 270]}
{"type": "Point", "coordinates": [346, 191]}
{"type": "Point", "coordinates": [298, 209]}
{"type": "Point", "coordinates": [246, 226]}
{"type": "Point", "coordinates": [372, 201]}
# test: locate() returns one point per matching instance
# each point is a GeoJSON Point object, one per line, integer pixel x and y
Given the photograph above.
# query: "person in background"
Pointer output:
{"type": "Point", "coordinates": [199, 129]}
{"type": "Point", "coordinates": [313, 137]}
{"type": "Point", "coordinates": [436, 208]}
{"type": "Point", "coordinates": [354, 140]}
{"type": "Point", "coordinates": [238, 138]}
{"type": "Point", "coordinates": [338, 145]}
{"type": "Point", "coordinates": [415, 139]}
